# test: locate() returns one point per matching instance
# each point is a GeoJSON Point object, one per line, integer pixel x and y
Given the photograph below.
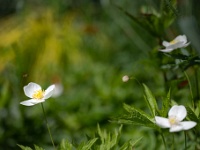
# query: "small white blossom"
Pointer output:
{"type": "Point", "coordinates": [37, 95]}
{"type": "Point", "coordinates": [125, 78]}
{"type": "Point", "coordinates": [179, 42]}
{"type": "Point", "coordinates": [174, 121]}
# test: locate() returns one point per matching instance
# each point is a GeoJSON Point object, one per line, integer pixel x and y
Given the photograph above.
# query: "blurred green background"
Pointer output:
{"type": "Point", "coordinates": [85, 47]}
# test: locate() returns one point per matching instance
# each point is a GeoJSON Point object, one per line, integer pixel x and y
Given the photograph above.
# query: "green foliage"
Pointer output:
{"type": "Point", "coordinates": [166, 104]}
{"type": "Point", "coordinates": [154, 21]}
{"type": "Point", "coordinates": [108, 141]}
{"type": "Point", "coordinates": [151, 101]}
{"type": "Point", "coordinates": [185, 60]}
{"type": "Point", "coordinates": [88, 145]}
{"type": "Point", "coordinates": [28, 148]}
{"type": "Point", "coordinates": [24, 147]}
{"type": "Point", "coordinates": [65, 145]}
{"type": "Point", "coordinates": [103, 140]}
{"type": "Point", "coordinates": [136, 117]}
{"type": "Point", "coordinates": [192, 116]}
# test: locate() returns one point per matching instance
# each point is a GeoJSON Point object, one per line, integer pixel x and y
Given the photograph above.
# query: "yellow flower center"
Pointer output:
{"type": "Point", "coordinates": [173, 120]}
{"type": "Point", "coordinates": [39, 94]}
{"type": "Point", "coordinates": [173, 42]}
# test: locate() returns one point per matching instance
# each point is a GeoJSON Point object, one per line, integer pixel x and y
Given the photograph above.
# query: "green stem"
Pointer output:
{"type": "Point", "coordinates": [185, 140]}
{"type": "Point", "coordinates": [190, 86]}
{"type": "Point", "coordinates": [163, 138]}
{"type": "Point", "coordinates": [48, 126]}
{"type": "Point", "coordinates": [131, 77]}
{"type": "Point", "coordinates": [173, 140]}
{"type": "Point", "coordinates": [197, 83]}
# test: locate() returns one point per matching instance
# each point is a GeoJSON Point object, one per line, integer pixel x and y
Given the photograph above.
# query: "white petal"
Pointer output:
{"type": "Point", "coordinates": [178, 111]}
{"type": "Point", "coordinates": [173, 47]}
{"type": "Point", "coordinates": [58, 90]}
{"type": "Point", "coordinates": [176, 45]}
{"type": "Point", "coordinates": [181, 38]}
{"type": "Point", "coordinates": [188, 124]}
{"type": "Point", "coordinates": [185, 45]}
{"type": "Point", "coordinates": [165, 43]}
{"type": "Point", "coordinates": [27, 103]}
{"type": "Point", "coordinates": [176, 128]}
{"type": "Point", "coordinates": [49, 91]}
{"type": "Point", "coordinates": [31, 88]}
{"type": "Point", "coordinates": [162, 122]}
{"type": "Point", "coordinates": [31, 102]}
{"type": "Point", "coordinates": [167, 50]}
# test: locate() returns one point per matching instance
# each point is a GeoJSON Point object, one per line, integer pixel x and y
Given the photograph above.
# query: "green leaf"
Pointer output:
{"type": "Point", "coordinates": [65, 145]}
{"type": "Point", "coordinates": [88, 145]}
{"type": "Point", "coordinates": [115, 138]}
{"type": "Point", "coordinates": [24, 147]}
{"type": "Point", "coordinates": [151, 101]}
{"type": "Point", "coordinates": [177, 56]}
{"type": "Point", "coordinates": [136, 141]}
{"type": "Point", "coordinates": [108, 140]}
{"type": "Point", "coordinates": [126, 146]}
{"type": "Point", "coordinates": [136, 117]}
{"type": "Point", "coordinates": [197, 111]}
{"type": "Point", "coordinates": [144, 21]}
{"type": "Point", "coordinates": [130, 144]}
{"type": "Point", "coordinates": [170, 6]}
{"type": "Point", "coordinates": [166, 104]}
{"type": "Point", "coordinates": [38, 148]}
{"type": "Point", "coordinates": [192, 116]}
{"type": "Point", "coordinates": [105, 139]}
{"type": "Point", "coordinates": [101, 135]}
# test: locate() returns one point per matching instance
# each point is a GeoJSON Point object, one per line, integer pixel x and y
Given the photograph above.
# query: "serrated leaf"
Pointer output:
{"type": "Point", "coordinates": [166, 104]}
{"type": "Point", "coordinates": [127, 146]}
{"type": "Point", "coordinates": [88, 145]}
{"type": "Point", "coordinates": [65, 145]}
{"type": "Point", "coordinates": [192, 116]}
{"type": "Point", "coordinates": [136, 117]}
{"type": "Point", "coordinates": [145, 21]}
{"type": "Point", "coordinates": [24, 147]}
{"type": "Point", "coordinates": [151, 101]}
{"type": "Point", "coordinates": [101, 135]}
{"type": "Point", "coordinates": [130, 144]}
{"type": "Point", "coordinates": [114, 139]}
{"type": "Point", "coordinates": [38, 148]}
{"type": "Point", "coordinates": [108, 140]}
{"type": "Point", "coordinates": [136, 141]}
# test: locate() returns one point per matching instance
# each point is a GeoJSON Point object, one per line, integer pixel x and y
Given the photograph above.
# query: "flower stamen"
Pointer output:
{"type": "Point", "coordinates": [173, 42]}
{"type": "Point", "coordinates": [39, 94]}
{"type": "Point", "coordinates": [173, 120]}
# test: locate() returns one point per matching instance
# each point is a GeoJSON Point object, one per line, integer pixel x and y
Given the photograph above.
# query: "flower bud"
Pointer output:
{"type": "Point", "coordinates": [125, 78]}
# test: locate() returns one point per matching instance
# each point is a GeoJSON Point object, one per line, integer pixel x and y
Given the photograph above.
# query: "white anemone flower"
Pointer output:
{"type": "Point", "coordinates": [37, 95]}
{"type": "Point", "coordinates": [179, 42]}
{"type": "Point", "coordinates": [174, 121]}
